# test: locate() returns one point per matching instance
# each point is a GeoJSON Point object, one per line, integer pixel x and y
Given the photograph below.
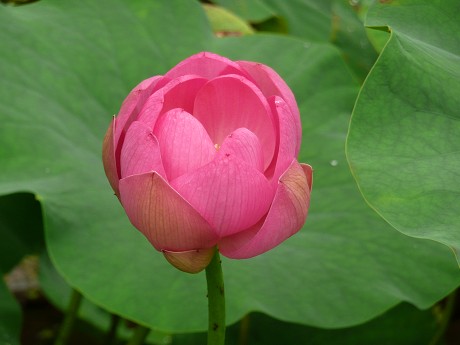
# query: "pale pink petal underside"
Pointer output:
{"type": "Point", "coordinates": [163, 216]}
{"type": "Point", "coordinates": [230, 102]}
{"type": "Point", "coordinates": [205, 64]}
{"type": "Point", "coordinates": [286, 217]}
{"type": "Point", "coordinates": [185, 145]}
{"type": "Point", "coordinates": [108, 158]}
{"type": "Point", "coordinates": [228, 193]}
{"type": "Point", "coordinates": [271, 84]}
{"type": "Point", "coordinates": [190, 261]}
{"type": "Point", "coordinates": [140, 152]}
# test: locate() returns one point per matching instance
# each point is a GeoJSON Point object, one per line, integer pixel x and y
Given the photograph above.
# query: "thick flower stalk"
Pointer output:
{"type": "Point", "coordinates": [206, 155]}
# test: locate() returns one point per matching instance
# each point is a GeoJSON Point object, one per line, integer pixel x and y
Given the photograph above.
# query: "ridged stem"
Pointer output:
{"type": "Point", "coordinates": [216, 301]}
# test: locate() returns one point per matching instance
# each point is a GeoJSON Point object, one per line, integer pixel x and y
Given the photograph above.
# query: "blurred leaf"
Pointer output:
{"type": "Point", "coordinates": [273, 24]}
{"type": "Point", "coordinates": [403, 144]}
{"type": "Point", "coordinates": [308, 19]}
{"type": "Point", "coordinates": [349, 35]}
{"type": "Point", "coordinates": [10, 317]}
{"type": "Point", "coordinates": [21, 228]}
{"type": "Point", "coordinates": [255, 11]}
{"type": "Point", "coordinates": [67, 67]}
{"type": "Point", "coordinates": [224, 22]}
{"type": "Point", "coordinates": [334, 21]}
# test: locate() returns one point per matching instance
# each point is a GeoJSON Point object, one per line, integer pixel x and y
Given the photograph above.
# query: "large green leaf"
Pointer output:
{"type": "Point", "coordinates": [67, 67]}
{"type": "Point", "coordinates": [403, 144]}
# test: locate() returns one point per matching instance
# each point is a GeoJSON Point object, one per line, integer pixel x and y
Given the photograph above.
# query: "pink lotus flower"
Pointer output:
{"type": "Point", "coordinates": [206, 155]}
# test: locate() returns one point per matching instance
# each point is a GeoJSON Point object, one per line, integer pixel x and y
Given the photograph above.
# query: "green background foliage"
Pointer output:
{"type": "Point", "coordinates": [66, 68]}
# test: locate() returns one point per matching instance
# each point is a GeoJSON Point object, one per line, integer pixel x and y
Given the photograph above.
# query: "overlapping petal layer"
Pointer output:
{"type": "Point", "coordinates": [230, 194]}
{"type": "Point", "coordinates": [185, 144]}
{"type": "Point", "coordinates": [271, 84]}
{"type": "Point", "coordinates": [167, 220]}
{"type": "Point", "coordinates": [140, 152]}
{"type": "Point", "coordinates": [285, 217]}
{"type": "Point", "coordinates": [227, 103]}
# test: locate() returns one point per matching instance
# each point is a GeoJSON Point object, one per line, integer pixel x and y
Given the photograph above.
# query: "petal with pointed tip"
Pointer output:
{"type": "Point", "coordinates": [271, 84]}
{"type": "Point", "coordinates": [168, 221]}
{"type": "Point", "coordinates": [227, 103]}
{"type": "Point", "coordinates": [133, 104]}
{"type": "Point", "coordinates": [108, 158]}
{"type": "Point", "coordinates": [230, 194]}
{"type": "Point", "coordinates": [191, 261]}
{"type": "Point", "coordinates": [185, 145]}
{"type": "Point", "coordinates": [285, 217]}
{"type": "Point", "coordinates": [205, 64]}
{"type": "Point", "coordinates": [246, 146]}
{"type": "Point", "coordinates": [140, 152]}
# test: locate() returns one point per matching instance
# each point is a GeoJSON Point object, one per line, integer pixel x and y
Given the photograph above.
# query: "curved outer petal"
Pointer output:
{"type": "Point", "coordinates": [132, 105]}
{"type": "Point", "coordinates": [140, 152]}
{"type": "Point", "coordinates": [271, 84]}
{"type": "Point", "coordinates": [178, 93]}
{"type": "Point", "coordinates": [108, 157]}
{"type": "Point", "coordinates": [285, 217]}
{"type": "Point", "coordinates": [227, 103]}
{"type": "Point", "coordinates": [168, 221]}
{"type": "Point", "coordinates": [286, 145]}
{"type": "Point", "coordinates": [230, 194]}
{"type": "Point", "coordinates": [205, 64]}
{"type": "Point", "coordinates": [184, 143]}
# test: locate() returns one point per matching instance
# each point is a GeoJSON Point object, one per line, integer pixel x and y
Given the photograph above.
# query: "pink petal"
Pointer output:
{"type": "Point", "coordinates": [271, 84]}
{"type": "Point", "coordinates": [286, 217]}
{"type": "Point", "coordinates": [178, 93]}
{"type": "Point", "coordinates": [286, 145]}
{"type": "Point", "coordinates": [228, 193]}
{"type": "Point", "coordinates": [185, 145]}
{"type": "Point", "coordinates": [206, 65]}
{"type": "Point", "coordinates": [246, 146]}
{"type": "Point", "coordinates": [230, 102]}
{"type": "Point", "coordinates": [163, 216]}
{"type": "Point", "coordinates": [140, 152]}
{"type": "Point", "coordinates": [108, 158]}
{"type": "Point", "coordinates": [133, 104]}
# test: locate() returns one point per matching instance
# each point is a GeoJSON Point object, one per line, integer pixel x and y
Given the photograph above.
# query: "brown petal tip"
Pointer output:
{"type": "Point", "coordinates": [191, 261]}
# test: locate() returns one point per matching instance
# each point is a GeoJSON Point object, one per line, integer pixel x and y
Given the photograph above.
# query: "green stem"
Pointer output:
{"type": "Point", "coordinates": [216, 301]}
{"type": "Point", "coordinates": [139, 336]}
{"type": "Point", "coordinates": [69, 319]}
